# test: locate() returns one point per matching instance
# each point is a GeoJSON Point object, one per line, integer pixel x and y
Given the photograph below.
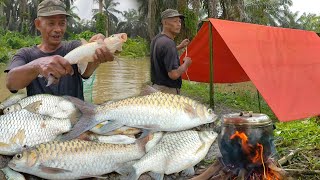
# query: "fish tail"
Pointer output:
{"type": "Point", "coordinates": [82, 67]}
{"type": "Point", "coordinates": [132, 176]}
{"type": "Point", "coordinates": [50, 80]}
{"type": "Point", "coordinates": [86, 121]}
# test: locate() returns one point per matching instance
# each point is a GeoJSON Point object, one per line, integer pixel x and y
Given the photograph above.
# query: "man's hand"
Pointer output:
{"type": "Point", "coordinates": [55, 66]}
{"type": "Point", "coordinates": [183, 44]}
{"type": "Point", "coordinates": [187, 61]}
{"type": "Point", "coordinates": [102, 54]}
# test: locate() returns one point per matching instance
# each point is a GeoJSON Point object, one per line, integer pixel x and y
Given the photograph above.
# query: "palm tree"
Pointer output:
{"type": "Point", "coordinates": [132, 24]}
{"type": "Point", "coordinates": [109, 9]}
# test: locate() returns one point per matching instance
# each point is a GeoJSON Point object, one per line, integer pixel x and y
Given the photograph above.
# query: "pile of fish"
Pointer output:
{"type": "Point", "coordinates": [62, 137]}
{"type": "Point", "coordinates": [55, 137]}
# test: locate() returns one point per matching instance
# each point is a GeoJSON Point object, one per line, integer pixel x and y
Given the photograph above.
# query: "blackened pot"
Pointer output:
{"type": "Point", "coordinates": [237, 152]}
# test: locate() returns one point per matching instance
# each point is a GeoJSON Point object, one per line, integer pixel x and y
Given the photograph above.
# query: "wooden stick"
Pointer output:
{"type": "Point", "coordinates": [212, 170]}
{"type": "Point", "coordinates": [302, 171]}
{"type": "Point", "coordinates": [288, 157]}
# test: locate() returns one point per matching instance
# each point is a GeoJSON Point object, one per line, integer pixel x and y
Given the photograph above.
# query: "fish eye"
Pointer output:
{"type": "Point", "coordinates": [210, 111]}
{"type": "Point", "coordinates": [18, 156]}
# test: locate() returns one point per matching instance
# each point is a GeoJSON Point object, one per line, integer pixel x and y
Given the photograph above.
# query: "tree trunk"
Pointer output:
{"type": "Point", "coordinates": [22, 13]}
{"type": "Point", "coordinates": [107, 26]}
{"type": "Point", "coordinates": [151, 19]}
{"type": "Point", "coordinates": [100, 6]}
{"type": "Point", "coordinates": [212, 8]}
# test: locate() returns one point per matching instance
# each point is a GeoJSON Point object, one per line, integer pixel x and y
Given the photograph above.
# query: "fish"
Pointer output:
{"type": "Point", "coordinates": [11, 174]}
{"type": "Point", "coordinates": [26, 129]}
{"type": "Point", "coordinates": [11, 100]}
{"type": "Point", "coordinates": [113, 139]}
{"type": "Point", "coordinates": [121, 131]}
{"type": "Point", "coordinates": [154, 139]}
{"type": "Point", "coordinates": [176, 151]}
{"type": "Point", "coordinates": [46, 104]}
{"type": "Point", "coordinates": [154, 112]}
{"type": "Point", "coordinates": [84, 54]}
{"type": "Point", "coordinates": [76, 159]}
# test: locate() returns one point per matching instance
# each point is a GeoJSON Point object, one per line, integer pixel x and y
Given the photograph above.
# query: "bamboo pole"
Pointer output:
{"type": "Point", "coordinates": [211, 67]}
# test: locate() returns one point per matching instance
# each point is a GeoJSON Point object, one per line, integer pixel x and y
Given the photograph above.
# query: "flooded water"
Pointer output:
{"type": "Point", "coordinates": [112, 80]}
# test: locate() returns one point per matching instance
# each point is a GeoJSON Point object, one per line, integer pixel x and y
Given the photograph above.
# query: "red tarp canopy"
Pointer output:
{"type": "Point", "coordinates": [283, 64]}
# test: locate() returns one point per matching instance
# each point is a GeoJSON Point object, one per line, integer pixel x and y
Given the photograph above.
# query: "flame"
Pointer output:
{"type": "Point", "coordinates": [255, 154]}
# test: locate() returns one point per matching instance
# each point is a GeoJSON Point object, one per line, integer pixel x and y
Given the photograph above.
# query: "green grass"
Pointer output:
{"type": "Point", "coordinates": [303, 134]}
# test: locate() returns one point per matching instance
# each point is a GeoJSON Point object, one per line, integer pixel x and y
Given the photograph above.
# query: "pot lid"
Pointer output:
{"type": "Point", "coordinates": [246, 118]}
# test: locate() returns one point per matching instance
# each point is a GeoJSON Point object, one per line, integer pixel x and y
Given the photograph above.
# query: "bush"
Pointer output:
{"type": "Point", "coordinates": [135, 47]}
{"type": "Point", "coordinates": [6, 54]}
{"type": "Point", "coordinates": [84, 35]}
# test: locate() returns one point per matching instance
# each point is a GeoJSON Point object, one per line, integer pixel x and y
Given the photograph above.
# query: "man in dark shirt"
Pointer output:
{"type": "Point", "coordinates": [46, 59]}
{"type": "Point", "coordinates": [166, 70]}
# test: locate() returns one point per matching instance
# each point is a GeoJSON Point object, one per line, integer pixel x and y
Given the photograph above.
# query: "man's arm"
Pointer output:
{"type": "Point", "coordinates": [183, 44]}
{"type": "Point", "coordinates": [21, 76]}
{"type": "Point", "coordinates": [176, 73]}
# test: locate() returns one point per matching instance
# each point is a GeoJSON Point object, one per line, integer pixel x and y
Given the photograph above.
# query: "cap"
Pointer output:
{"type": "Point", "coordinates": [51, 7]}
{"type": "Point", "coordinates": [168, 13]}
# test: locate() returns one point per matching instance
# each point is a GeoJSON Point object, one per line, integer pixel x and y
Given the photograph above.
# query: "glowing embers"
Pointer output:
{"type": "Point", "coordinates": [254, 153]}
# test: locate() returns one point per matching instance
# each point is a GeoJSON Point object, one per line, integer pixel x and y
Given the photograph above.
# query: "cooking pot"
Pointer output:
{"type": "Point", "coordinates": [239, 152]}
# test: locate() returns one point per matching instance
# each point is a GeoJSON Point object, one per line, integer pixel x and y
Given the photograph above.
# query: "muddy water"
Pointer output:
{"type": "Point", "coordinates": [112, 80]}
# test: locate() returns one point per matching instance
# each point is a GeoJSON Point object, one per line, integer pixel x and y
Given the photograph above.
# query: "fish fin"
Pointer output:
{"type": "Point", "coordinates": [147, 89]}
{"type": "Point", "coordinates": [188, 172]}
{"type": "Point", "coordinates": [32, 158]}
{"type": "Point", "coordinates": [86, 121]}
{"type": "Point", "coordinates": [93, 176]}
{"type": "Point", "coordinates": [83, 41]}
{"type": "Point", "coordinates": [87, 136]}
{"type": "Point", "coordinates": [126, 168]}
{"type": "Point", "coordinates": [110, 126]}
{"type": "Point", "coordinates": [52, 170]}
{"type": "Point", "coordinates": [19, 137]}
{"type": "Point", "coordinates": [131, 176]}
{"type": "Point", "coordinates": [50, 80]}
{"type": "Point", "coordinates": [82, 67]}
{"type": "Point", "coordinates": [34, 107]}
{"type": "Point", "coordinates": [156, 176]}
{"type": "Point", "coordinates": [145, 133]}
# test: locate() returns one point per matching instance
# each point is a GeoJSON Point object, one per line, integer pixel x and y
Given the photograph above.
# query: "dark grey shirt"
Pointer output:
{"type": "Point", "coordinates": [68, 85]}
{"type": "Point", "coordinates": [164, 58]}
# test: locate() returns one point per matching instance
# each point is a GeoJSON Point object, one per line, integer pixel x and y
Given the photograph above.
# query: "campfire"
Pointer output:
{"type": "Point", "coordinates": [247, 150]}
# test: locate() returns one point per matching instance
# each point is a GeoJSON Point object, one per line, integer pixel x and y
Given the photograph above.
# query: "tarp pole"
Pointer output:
{"type": "Point", "coordinates": [259, 100]}
{"type": "Point", "coordinates": [211, 67]}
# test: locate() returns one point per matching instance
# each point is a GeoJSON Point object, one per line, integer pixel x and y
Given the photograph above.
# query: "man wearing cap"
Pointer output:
{"type": "Point", "coordinates": [46, 59]}
{"type": "Point", "coordinates": [166, 70]}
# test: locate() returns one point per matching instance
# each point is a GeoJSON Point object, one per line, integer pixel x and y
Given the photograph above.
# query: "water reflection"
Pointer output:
{"type": "Point", "coordinates": [118, 81]}
{"type": "Point", "coordinates": [111, 81]}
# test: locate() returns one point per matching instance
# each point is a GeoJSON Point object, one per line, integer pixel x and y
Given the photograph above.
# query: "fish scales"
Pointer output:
{"type": "Point", "coordinates": [24, 128]}
{"type": "Point", "coordinates": [54, 106]}
{"type": "Point", "coordinates": [77, 159]}
{"type": "Point", "coordinates": [158, 111]}
{"type": "Point", "coordinates": [175, 152]}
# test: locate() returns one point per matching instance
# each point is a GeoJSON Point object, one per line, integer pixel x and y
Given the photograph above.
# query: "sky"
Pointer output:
{"type": "Point", "coordinates": [308, 6]}
{"type": "Point", "coordinates": [85, 6]}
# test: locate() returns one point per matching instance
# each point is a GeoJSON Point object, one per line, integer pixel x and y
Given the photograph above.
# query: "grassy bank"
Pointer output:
{"type": "Point", "coordinates": [289, 136]}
